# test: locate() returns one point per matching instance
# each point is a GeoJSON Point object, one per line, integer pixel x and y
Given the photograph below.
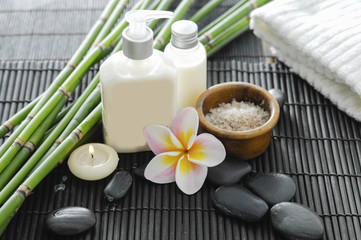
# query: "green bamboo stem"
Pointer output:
{"type": "Point", "coordinates": [62, 114]}
{"type": "Point", "coordinates": [88, 105]}
{"type": "Point", "coordinates": [58, 118]}
{"type": "Point", "coordinates": [91, 134]}
{"type": "Point", "coordinates": [145, 4]}
{"type": "Point", "coordinates": [154, 5]}
{"type": "Point", "coordinates": [229, 20]}
{"type": "Point", "coordinates": [231, 33]}
{"type": "Point", "coordinates": [65, 90]}
{"type": "Point", "coordinates": [8, 210]}
{"type": "Point", "coordinates": [64, 74]}
{"type": "Point", "coordinates": [27, 149]}
{"type": "Point", "coordinates": [222, 16]}
{"type": "Point", "coordinates": [17, 118]}
{"type": "Point", "coordinates": [205, 10]}
{"type": "Point", "coordinates": [109, 24]}
{"type": "Point", "coordinates": [163, 37]}
{"type": "Point", "coordinates": [79, 111]}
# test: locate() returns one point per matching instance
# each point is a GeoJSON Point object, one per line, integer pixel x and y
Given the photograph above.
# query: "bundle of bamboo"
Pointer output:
{"type": "Point", "coordinates": [55, 133]}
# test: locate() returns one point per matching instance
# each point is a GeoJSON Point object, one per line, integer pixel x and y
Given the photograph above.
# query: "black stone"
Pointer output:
{"type": "Point", "coordinates": [296, 221]}
{"type": "Point", "coordinates": [230, 171]}
{"type": "Point", "coordinates": [70, 220]}
{"type": "Point", "coordinates": [118, 186]}
{"type": "Point", "coordinates": [236, 201]}
{"type": "Point", "coordinates": [139, 171]}
{"type": "Point", "coordinates": [279, 95]}
{"type": "Point", "coordinates": [272, 187]}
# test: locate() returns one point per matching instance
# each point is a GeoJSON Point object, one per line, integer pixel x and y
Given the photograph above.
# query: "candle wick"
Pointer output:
{"type": "Point", "coordinates": [92, 155]}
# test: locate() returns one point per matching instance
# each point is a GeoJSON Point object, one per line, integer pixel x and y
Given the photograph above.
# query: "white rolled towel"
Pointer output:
{"type": "Point", "coordinates": [321, 41]}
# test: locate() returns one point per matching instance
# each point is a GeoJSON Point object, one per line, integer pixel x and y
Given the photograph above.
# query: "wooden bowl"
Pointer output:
{"type": "Point", "coordinates": [243, 145]}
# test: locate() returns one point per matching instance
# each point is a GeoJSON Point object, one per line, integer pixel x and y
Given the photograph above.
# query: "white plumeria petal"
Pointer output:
{"type": "Point", "coordinates": [185, 126]}
{"type": "Point", "coordinates": [190, 176]}
{"type": "Point", "coordinates": [162, 168]}
{"type": "Point", "coordinates": [207, 150]}
{"type": "Point", "coordinates": [160, 139]}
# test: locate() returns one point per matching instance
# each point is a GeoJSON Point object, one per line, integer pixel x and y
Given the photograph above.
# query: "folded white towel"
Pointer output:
{"type": "Point", "coordinates": [321, 41]}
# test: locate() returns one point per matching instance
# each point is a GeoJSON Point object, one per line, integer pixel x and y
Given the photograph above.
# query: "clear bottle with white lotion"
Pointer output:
{"type": "Point", "coordinates": [190, 59]}
{"type": "Point", "coordinates": [139, 86]}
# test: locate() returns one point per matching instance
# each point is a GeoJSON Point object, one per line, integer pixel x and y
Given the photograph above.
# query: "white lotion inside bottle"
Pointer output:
{"type": "Point", "coordinates": [138, 86]}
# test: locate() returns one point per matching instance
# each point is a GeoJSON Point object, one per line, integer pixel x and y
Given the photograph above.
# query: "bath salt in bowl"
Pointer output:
{"type": "Point", "coordinates": [237, 116]}
{"type": "Point", "coordinates": [240, 115]}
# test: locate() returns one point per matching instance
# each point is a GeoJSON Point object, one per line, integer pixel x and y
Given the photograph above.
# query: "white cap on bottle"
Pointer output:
{"type": "Point", "coordinates": [184, 34]}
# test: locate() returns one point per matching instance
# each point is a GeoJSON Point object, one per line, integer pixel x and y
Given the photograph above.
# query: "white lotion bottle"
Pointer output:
{"type": "Point", "coordinates": [190, 59]}
{"type": "Point", "coordinates": [139, 86]}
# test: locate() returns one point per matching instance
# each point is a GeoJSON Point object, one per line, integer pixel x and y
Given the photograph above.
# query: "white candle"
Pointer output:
{"type": "Point", "coordinates": [93, 161]}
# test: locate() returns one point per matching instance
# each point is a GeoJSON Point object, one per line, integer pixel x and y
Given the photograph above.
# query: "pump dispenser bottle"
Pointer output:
{"type": "Point", "coordinates": [190, 59]}
{"type": "Point", "coordinates": [138, 86]}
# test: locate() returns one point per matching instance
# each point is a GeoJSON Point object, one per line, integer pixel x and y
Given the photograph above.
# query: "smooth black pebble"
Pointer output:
{"type": "Point", "coordinates": [139, 171]}
{"type": "Point", "coordinates": [279, 95]}
{"type": "Point", "coordinates": [118, 186]}
{"type": "Point", "coordinates": [230, 171]}
{"type": "Point", "coordinates": [70, 220]}
{"type": "Point", "coordinates": [272, 187]}
{"type": "Point", "coordinates": [296, 221]}
{"type": "Point", "coordinates": [236, 201]}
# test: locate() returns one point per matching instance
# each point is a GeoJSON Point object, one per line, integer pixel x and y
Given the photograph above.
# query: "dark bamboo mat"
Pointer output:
{"type": "Point", "coordinates": [314, 142]}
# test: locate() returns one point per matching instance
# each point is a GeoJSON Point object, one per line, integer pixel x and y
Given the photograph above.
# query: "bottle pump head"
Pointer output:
{"type": "Point", "coordinates": [137, 37]}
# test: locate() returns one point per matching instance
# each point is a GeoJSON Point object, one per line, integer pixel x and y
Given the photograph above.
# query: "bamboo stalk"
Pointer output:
{"type": "Point", "coordinates": [88, 105]}
{"type": "Point", "coordinates": [221, 17]}
{"type": "Point", "coordinates": [17, 118]}
{"type": "Point", "coordinates": [145, 4]}
{"type": "Point", "coordinates": [62, 114]}
{"type": "Point", "coordinates": [27, 149]}
{"type": "Point", "coordinates": [8, 210]}
{"type": "Point", "coordinates": [163, 36]}
{"type": "Point", "coordinates": [58, 118]}
{"type": "Point", "coordinates": [109, 24]}
{"type": "Point", "coordinates": [72, 63]}
{"type": "Point", "coordinates": [227, 36]}
{"type": "Point", "coordinates": [81, 109]}
{"type": "Point", "coordinates": [154, 5]}
{"type": "Point", "coordinates": [230, 19]}
{"type": "Point", "coordinates": [205, 10]}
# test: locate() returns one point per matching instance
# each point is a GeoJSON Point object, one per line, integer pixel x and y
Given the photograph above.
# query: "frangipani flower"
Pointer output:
{"type": "Point", "coordinates": [181, 155]}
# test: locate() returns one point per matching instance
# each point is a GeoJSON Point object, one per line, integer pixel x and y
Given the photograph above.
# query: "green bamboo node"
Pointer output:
{"type": "Point", "coordinates": [17, 118]}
